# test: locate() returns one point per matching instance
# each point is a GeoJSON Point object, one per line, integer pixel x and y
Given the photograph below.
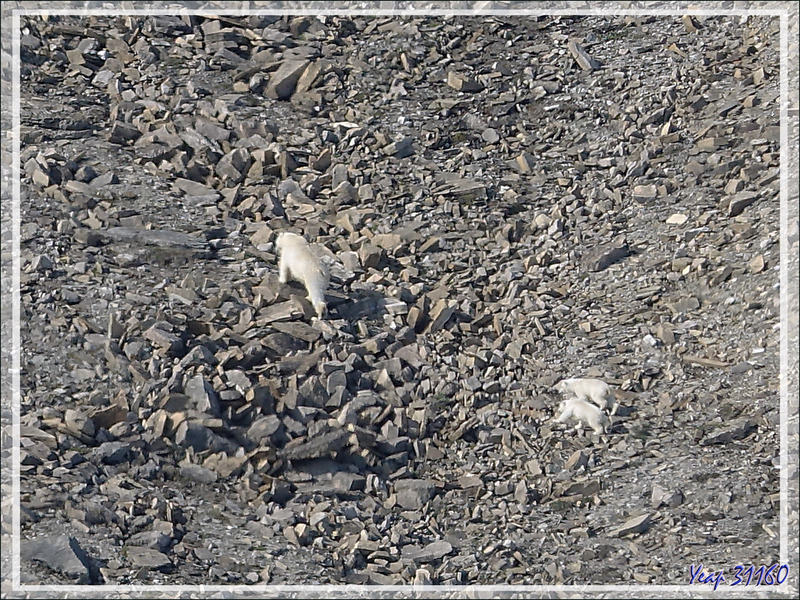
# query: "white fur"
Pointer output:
{"type": "Point", "coordinates": [595, 390]}
{"type": "Point", "coordinates": [584, 413]}
{"type": "Point", "coordinates": [298, 262]}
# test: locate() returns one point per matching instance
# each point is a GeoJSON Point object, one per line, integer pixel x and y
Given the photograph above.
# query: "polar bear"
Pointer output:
{"type": "Point", "coordinates": [298, 262]}
{"type": "Point", "coordinates": [584, 413]}
{"type": "Point", "coordinates": [595, 390]}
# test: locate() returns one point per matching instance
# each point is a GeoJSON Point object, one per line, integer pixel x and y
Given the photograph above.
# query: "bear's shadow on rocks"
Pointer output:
{"type": "Point", "coordinates": [617, 424]}
{"type": "Point", "coordinates": [625, 411]}
{"type": "Point", "coordinates": [361, 304]}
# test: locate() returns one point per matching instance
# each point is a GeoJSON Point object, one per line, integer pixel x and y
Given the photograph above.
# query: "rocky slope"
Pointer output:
{"type": "Point", "coordinates": [505, 201]}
